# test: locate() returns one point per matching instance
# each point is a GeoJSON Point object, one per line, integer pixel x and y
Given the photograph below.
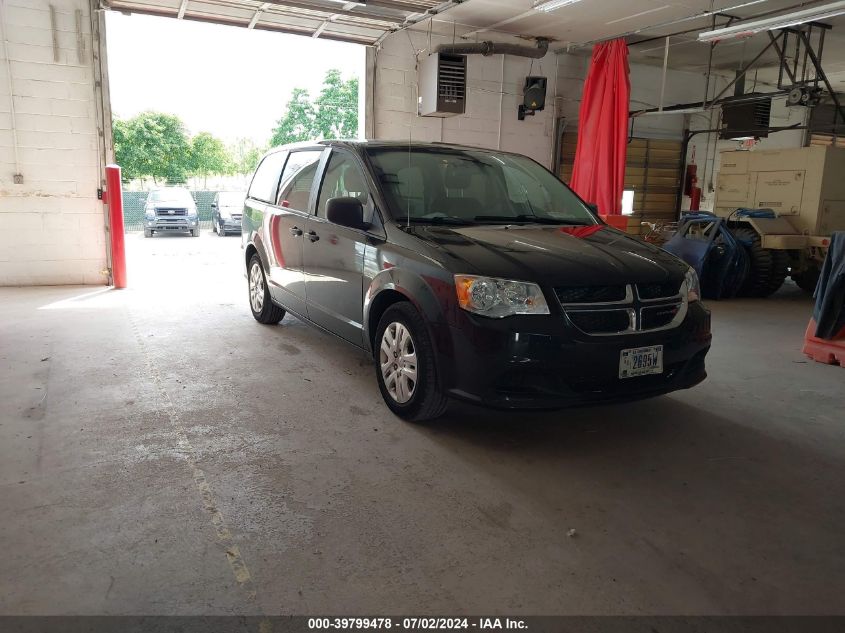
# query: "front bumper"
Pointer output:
{"type": "Point", "coordinates": [171, 224]}
{"type": "Point", "coordinates": [230, 225]}
{"type": "Point", "coordinates": [541, 362]}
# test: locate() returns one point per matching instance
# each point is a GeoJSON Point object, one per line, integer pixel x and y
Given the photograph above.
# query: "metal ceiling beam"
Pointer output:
{"type": "Point", "coordinates": [182, 8]}
{"type": "Point", "coordinates": [257, 15]}
{"type": "Point", "coordinates": [417, 18]}
{"type": "Point", "coordinates": [322, 27]}
{"type": "Point", "coordinates": [697, 16]}
{"type": "Point", "coordinates": [120, 5]}
{"type": "Point", "coordinates": [358, 10]}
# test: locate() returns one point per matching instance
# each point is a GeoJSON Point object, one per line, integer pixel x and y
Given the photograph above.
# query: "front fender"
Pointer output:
{"type": "Point", "coordinates": [432, 295]}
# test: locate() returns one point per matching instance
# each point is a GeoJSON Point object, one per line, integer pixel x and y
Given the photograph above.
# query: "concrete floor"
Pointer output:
{"type": "Point", "coordinates": [162, 453]}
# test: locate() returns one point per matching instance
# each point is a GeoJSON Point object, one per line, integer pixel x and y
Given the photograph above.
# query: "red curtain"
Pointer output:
{"type": "Point", "coordinates": [599, 172]}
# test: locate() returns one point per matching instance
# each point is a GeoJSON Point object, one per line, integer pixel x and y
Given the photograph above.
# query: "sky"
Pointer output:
{"type": "Point", "coordinates": [226, 80]}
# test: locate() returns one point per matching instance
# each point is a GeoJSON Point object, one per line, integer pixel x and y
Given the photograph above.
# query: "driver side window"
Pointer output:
{"type": "Point", "coordinates": [343, 179]}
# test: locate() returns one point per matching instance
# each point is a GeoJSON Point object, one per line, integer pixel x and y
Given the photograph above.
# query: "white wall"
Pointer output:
{"type": "Point", "coordinates": [51, 226]}
{"type": "Point", "coordinates": [494, 90]}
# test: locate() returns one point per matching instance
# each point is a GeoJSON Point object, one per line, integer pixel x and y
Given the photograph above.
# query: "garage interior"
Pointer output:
{"type": "Point", "coordinates": [162, 454]}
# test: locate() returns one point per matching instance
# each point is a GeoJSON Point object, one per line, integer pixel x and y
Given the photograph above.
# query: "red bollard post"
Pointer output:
{"type": "Point", "coordinates": [114, 198]}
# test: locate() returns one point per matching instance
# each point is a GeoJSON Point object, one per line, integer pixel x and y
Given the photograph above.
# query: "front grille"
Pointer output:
{"type": "Point", "coordinates": [165, 212]}
{"type": "Point", "coordinates": [601, 321]}
{"type": "Point", "coordinates": [658, 316]}
{"type": "Point", "coordinates": [650, 292]}
{"type": "Point", "coordinates": [609, 310]}
{"type": "Point", "coordinates": [591, 294]}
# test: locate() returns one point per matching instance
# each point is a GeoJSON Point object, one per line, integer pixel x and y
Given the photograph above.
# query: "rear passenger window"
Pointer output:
{"type": "Point", "coordinates": [266, 177]}
{"type": "Point", "coordinates": [297, 179]}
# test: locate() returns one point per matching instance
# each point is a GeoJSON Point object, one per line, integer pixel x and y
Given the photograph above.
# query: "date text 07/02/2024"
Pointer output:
{"type": "Point", "coordinates": [416, 623]}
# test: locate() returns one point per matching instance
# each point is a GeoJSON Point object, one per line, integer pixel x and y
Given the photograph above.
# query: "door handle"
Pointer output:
{"type": "Point", "coordinates": [312, 236]}
{"type": "Point", "coordinates": [296, 231]}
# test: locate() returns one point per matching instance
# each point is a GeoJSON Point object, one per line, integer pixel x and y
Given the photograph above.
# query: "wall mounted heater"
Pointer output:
{"type": "Point", "coordinates": [443, 85]}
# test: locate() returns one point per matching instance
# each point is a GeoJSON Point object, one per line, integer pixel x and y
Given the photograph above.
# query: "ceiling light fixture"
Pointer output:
{"type": "Point", "coordinates": [747, 29]}
{"type": "Point", "coordinates": [552, 5]}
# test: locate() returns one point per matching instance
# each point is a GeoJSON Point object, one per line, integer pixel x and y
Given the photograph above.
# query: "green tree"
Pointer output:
{"type": "Point", "coordinates": [245, 155]}
{"type": "Point", "coordinates": [125, 150]}
{"type": "Point", "coordinates": [337, 107]}
{"type": "Point", "coordinates": [153, 144]}
{"type": "Point", "coordinates": [209, 156]}
{"type": "Point", "coordinates": [297, 124]}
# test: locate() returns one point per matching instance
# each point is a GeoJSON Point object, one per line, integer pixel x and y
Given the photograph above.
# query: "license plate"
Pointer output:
{"type": "Point", "coordinates": [641, 361]}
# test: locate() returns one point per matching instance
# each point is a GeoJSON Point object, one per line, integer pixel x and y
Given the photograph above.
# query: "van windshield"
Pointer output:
{"type": "Point", "coordinates": [468, 186]}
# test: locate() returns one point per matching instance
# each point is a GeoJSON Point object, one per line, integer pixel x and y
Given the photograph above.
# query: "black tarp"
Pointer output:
{"type": "Point", "coordinates": [829, 312]}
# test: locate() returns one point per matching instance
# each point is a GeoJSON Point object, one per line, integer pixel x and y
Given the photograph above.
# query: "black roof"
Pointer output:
{"type": "Point", "coordinates": [360, 144]}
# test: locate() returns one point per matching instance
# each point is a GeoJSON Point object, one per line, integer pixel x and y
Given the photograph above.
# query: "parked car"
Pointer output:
{"type": "Point", "coordinates": [171, 209]}
{"type": "Point", "coordinates": [226, 210]}
{"type": "Point", "coordinates": [468, 273]}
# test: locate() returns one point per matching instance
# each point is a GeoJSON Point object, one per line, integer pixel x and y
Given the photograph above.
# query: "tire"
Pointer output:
{"type": "Point", "coordinates": [195, 232]}
{"type": "Point", "coordinates": [221, 232]}
{"type": "Point", "coordinates": [420, 399]}
{"type": "Point", "coordinates": [807, 279]}
{"type": "Point", "coordinates": [260, 303]}
{"type": "Point", "coordinates": [768, 267]}
{"type": "Point", "coordinates": [148, 233]}
{"type": "Point", "coordinates": [214, 226]}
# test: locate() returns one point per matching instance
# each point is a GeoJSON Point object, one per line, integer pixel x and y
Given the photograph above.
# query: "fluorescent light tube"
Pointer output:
{"type": "Point", "coordinates": [747, 29]}
{"type": "Point", "coordinates": [552, 5]}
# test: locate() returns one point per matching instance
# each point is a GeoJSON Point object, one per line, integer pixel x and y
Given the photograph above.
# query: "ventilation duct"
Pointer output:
{"type": "Point", "coordinates": [496, 48]}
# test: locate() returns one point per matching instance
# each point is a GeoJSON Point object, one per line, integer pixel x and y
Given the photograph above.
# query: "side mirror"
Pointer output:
{"type": "Point", "coordinates": [347, 212]}
{"type": "Point", "coordinates": [213, 205]}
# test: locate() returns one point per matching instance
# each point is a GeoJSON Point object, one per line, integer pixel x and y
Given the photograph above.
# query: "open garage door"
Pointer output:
{"type": "Point", "coordinates": [347, 21]}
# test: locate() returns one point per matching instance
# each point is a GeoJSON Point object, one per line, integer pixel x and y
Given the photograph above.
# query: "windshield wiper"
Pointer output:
{"type": "Point", "coordinates": [524, 217]}
{"type": "Point", "coordinates": [440, 219]}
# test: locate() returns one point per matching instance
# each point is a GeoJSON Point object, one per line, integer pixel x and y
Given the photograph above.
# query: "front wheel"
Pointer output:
{"type": "Point", "coordinates": [220, 230]}
{"type": "Point", "coordinates": [195, 232]}
{"type": "Point", "coordinates": [406, 367]}
{"type": "Point", "coordinates": [148, 233]}
{"type": "Point", "coordinates": [262, 306]}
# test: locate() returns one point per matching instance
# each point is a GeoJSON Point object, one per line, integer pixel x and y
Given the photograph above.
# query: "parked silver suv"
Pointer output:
{"type": "Point", "coordinates": [171, 209]}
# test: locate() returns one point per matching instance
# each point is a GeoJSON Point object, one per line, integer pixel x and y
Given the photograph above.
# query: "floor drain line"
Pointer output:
{"type": "Point", "coordinates": [222, 531]}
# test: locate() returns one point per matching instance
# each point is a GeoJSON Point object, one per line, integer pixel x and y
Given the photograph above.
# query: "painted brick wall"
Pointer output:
{"type": "Point", "coordinates": [51, 226]}
{"type": "Point", "coordinates": [490, 120]}
{"type": "Point", "coordinates": [491, 116]}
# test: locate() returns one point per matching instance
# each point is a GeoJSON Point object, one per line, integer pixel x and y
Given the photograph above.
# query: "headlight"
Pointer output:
{"type": "Point", "coordinates": [693, 286]}
{"type": "Point", "coordinates": [497, 298]}
{"type": "Point", "coordinates": [150, 213]}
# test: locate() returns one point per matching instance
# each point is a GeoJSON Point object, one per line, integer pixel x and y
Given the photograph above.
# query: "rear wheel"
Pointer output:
{"type": "Point", "coordinates": [262, 306]}
{"type": "Point", "coordinates": [406, 367]}
{"type": "Point", "coordinates": [148, 233]}
{"type": "Point", "coordinates": [807, 278]}
{"type": "Point", "coordinates": [768, 267]}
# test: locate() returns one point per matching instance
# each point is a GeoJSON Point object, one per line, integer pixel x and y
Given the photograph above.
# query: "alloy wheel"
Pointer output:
{"type": "Point", "coordinates": [256, 288]}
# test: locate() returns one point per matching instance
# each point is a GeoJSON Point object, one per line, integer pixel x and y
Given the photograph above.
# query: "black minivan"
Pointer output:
{"type": "Point", "coordinates": [468, 273]}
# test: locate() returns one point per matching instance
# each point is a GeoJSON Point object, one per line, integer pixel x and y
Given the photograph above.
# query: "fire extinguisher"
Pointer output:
{"type": "Point", "coordinates": [691, 175]}
{"type": "Point", "coordinates": [694, 195]}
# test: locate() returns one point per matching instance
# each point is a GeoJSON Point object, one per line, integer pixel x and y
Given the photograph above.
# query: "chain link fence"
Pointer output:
{"type": "Point", "coordinates": [134, 201]}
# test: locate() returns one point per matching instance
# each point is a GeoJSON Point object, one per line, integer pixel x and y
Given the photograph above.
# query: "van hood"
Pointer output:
{"type": "Point", "coordinates": [551, 255]}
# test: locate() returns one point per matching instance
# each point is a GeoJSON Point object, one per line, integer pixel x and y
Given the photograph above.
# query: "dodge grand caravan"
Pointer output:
{"type": "Point", "coordinates": [467, 273]}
